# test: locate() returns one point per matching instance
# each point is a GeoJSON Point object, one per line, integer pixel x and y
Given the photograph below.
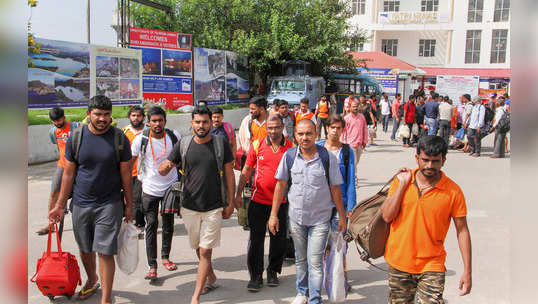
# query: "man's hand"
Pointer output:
{"type": "Point", "coordinates": [128, 215]}
{"type": "Point", "coordinates": [478, 130]}
{"type": "Point", "coordinates": [56, 214]}
{"type": "Point", "coordinates": [238, 201]}
{"type": "Point", "coordinates": [466, 282]}
{"type": "Point", "coordinates": [273, 224]}
{"type": "Point", "coordinates": [342, 225]}
{"type": "Point", "coordinates": [348, 214]}
{"type": "Point", "coordinates": [227, 212]}
{"type": "Point", "coordinates": [404, 176]}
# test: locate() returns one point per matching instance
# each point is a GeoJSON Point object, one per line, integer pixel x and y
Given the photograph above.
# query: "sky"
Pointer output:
{"type": "Point", "coordinates": [66, 20]}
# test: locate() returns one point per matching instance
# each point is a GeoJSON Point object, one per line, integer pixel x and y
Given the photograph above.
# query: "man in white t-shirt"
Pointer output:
{"type": "Point", "coordinates": [153, 147]}
{"type": "Point", "coordinates": [385, 111]}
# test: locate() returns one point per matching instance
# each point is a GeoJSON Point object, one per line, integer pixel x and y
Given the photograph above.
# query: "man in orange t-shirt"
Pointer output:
{"type": "Point", "coordinates": [58, 136]}
{"type": "Point", "coordinates": [419, 207]}
{"type": "Point", "coordinates": [322, 114]}
{"type": "Point", "coordinates": [304, 112]}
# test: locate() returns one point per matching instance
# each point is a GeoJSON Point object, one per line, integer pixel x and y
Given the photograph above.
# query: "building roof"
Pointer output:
{"type": "Point", "coordinates": [380, 60]}
{"type": "Point", "coordinates": [483, 73]}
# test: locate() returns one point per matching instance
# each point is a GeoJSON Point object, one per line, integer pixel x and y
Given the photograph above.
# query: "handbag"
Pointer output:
{"type": "Point", "coordinates": [404, 131]}
{"type": "Point", "coordinates": [334, 276]}
{"type": "Point", "coordinates": [127, 257]}
{"type": "Point", "coordinates": [57, 273]}
{"type": "Point", "coordinates": [171, 203]}
{"type": "Point", "coordinates": [415, 130]}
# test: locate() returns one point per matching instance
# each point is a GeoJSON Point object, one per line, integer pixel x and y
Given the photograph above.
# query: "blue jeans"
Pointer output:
{"type": "Point", "coordinates": [395, 125]}
{"type": "Point", "coordinates": [385, 123]}
{"type": "Point", "coordinates": [432, 125]}
{"type": "Point", "coordinates": [310, 242]}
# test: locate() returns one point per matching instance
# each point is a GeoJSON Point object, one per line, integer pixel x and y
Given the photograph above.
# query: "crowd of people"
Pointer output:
{"type": "Point", "coordinates": [300, 186]}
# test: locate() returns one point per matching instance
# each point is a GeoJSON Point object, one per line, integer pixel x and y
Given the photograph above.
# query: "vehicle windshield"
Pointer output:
{"type": "Point", "coordinates": [288, 85]}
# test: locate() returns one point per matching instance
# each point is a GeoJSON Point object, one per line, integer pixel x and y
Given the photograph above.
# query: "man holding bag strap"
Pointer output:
{"type": "Point", "coordinates": [152, 148]}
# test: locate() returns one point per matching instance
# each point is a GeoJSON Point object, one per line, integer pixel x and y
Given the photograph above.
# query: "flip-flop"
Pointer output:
{"type": "Point", "coordinates": [209, 288]}
{"type": "Point", "coordinates": [170, 266]}
{"type": "Point", "coordinates": [152, 275]}
{"type": "Point", "coordinates": [83, 294]}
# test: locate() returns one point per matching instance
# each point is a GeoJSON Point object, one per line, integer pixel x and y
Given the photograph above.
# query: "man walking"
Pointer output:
{"type": "Point", "coordinates": [153, 147]}
{"type": "Point", "coordinates": [206, 201]}
{"type": "Point", "coordinates": [355, 132]}
{"type": "Point", "coordinates": [288, 118]}
{"type": "Point", "coordinates": [314, 178]}
{"type": "Point", "coordinates": [304, 112]}
{"type": "Point", "coordinates": [431, 112]}
{"type": "Point", "coordinates": [395, 116]}
{"type": "Point", "coordinates": [385, 111]}
{"type": "Point", "coordinates": [135, 127]}
{"type": "Point", "coordinates": [264, 155]}
{"type": "Point", "coordinates": [409, 119]}
{"type": "Point", "coordinates": [475, 125]}
{"type": "Point", "coordinates": [223, 128]}
{"type": "Point", "coordinates": [419, 118]}
{"type": "Point", "coordinates": [419, 207]}
{"type": "Point", "coordinates": [446, 112]}
{"type": "Point", "coordinates": [322, 115]}
{"type": "Point", "coordinates": [58, 134]}
{"type": "Point", "coordinates": [97, 161]}
{"type": "Point", "coordinates": [500, 135]}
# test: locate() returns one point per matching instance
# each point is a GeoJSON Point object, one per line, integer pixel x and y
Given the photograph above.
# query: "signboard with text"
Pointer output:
{"type": "Point", "coordinates": [386, 78]}
{"type": "Point", "coordinates": [455, 86]}
{"type": "Point", "coordinates": [416, 17]}
{"type": "Point", "coordinates": [166, 66]}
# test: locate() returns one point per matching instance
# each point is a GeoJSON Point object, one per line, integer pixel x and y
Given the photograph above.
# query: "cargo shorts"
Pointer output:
{"type": "Point", "coordinates": [427, 286]}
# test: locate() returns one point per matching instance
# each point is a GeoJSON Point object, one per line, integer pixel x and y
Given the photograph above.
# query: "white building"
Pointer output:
{"type": "Point", "coordinates": [441, 37]}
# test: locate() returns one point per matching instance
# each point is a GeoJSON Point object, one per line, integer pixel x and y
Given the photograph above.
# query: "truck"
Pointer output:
{"type": "Point", "coordinates": [296, 84]}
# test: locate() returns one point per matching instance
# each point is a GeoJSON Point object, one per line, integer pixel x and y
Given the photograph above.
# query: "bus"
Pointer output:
{"type": "Point", "coordinates": [352, 84]}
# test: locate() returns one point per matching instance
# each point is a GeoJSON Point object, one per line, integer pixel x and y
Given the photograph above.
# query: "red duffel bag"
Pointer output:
{"type": "Point", "coordinates": [57, 273]}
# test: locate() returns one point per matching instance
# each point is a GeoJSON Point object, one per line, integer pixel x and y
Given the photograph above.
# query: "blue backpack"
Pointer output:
{"type": "Point", "coordinates": [323, 154]}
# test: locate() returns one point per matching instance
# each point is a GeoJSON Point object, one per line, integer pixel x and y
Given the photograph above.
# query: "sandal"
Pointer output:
{"type": "Point", "coordinates": [170, 266]}
{"type": "Point", "coordinates": [209, 288]}
{"type": "Point", "coordinates": [152, 275]}
{"type": "Point", "coordinates": [85, 292]}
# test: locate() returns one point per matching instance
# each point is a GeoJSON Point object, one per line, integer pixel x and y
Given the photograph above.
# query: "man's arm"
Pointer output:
{"type": "Point", "coordinates": [243, 179]}
{"type": "Point", "coordinates": [230, 188]}
{"type": "Point", "coordinates": [65, 191]}
{"type": "Point", "coordinates": [464, 242]}
{"type": "Point", "coordinates": [351, 189]}
{"type": "Point", "coordinates": [336, 195]}
{"type": "Point", "coordinates": [127, 184]}
{"type": "Point", "coordinates": [391, 207]}
{"type": "Point", "coordinates": [278, 196]}
{"type": "Point", "coordinates": [165, 167]}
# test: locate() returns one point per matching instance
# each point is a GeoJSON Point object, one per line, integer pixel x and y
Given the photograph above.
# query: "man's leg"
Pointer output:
{"type": "Point", "coordinates": [204, 268]}
{"type": "Point", "coordinates": [317, 240]}
{"type": "Point", "coordinates": [107, 266]}
{"type": "Point", "coordinates": [257, 219]}
{"type": "Point", "coordinates": [150, 206]}
{"type": "Point", "coordinates": [137, 201]}
{"type": "Point", "coordinates": [430, 288]}
{"type": "Point", "coordinates": [300, 241]}
{"type": "Point", "coordinates": [402, 287]}
{"type": "Point", "coordinates": [277, 243]}
{"type": "Point", "coordinates": [395, 125]}
{"type": "Point", "coordinates": [90, 266]}
{"type": "Point", "coordinates": [167, 235]}
{"type": "Point", "coordinates": [53, 197]}
{"type": "Point", "coordinates": [471, 139]}
{"type": "Point", "coordinates": [478, 142]}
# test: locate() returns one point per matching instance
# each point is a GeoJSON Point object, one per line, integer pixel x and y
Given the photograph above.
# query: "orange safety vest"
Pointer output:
{"type": "Point", "coordinates": [323, 110]}
{"type": "Point", "coordinates": [300, 116]}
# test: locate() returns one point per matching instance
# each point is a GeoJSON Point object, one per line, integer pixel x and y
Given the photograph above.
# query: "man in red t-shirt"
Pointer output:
{"type": "Point", "coordinates": [409, 118]}
{"type": "Point", "coordinates": [264, 155]}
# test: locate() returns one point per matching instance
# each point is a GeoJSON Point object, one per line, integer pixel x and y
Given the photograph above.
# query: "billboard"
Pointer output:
{"type": "Point", "coordinates": [486, 93]}
{"type": "Point", "coordinates": [60, 75]}
{"type": "Point", "coordinates": [166, 66]}
{"type": "Point", "coordinates": [237, 85]}
{"type": "Point", "coordinates": [455, 86]}
{"type": "Point", "coordinates": [386, 78]}
{"type": "Point", "coordinates": [116, 73]}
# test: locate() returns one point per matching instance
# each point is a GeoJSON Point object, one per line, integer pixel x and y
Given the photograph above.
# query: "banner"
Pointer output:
{"type": "Point", "coordinates": [417, 17]}
{"type": "Point", "coordinates": [60, 76]}
{"type": "Point", "coordinates": [386, 78]}
{"type": "Point", "coordinates": [455, 86]}
{"type": "Point", "coordinates": [166, 66]}
{"type": "Point", "coordinates": [116, 73]}
{"type": "Point", "coordinates": [485, 94]}
{"type": "Point", "coordinates": [237, 85]}
{"type": "Point", "coordinates": [209, 76]}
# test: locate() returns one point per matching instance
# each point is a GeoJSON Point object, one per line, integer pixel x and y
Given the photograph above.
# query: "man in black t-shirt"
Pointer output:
{"type": "Point", "coordinates": [203, 206]}
{"type": "Point", "coordinates": [98, 175]}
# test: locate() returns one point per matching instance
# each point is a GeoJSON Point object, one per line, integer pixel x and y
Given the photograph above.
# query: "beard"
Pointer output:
{"type": "Point", "coordinates": [201, 133]}
{"type": "Point", "coordinates": [157, 130]}
{"type": "Point", "coordinates": [100, 126]}
{"type": "Point", "coordinates": [136, 124]}
{"type": "Point", "coordinates": [255, 115]}
{"type": "Point", "coordinates": [429, 173]}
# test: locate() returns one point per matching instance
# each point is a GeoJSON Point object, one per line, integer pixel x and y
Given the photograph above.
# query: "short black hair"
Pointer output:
{"type": "Point", "coordinates": [335, 118]}
{"type": "Point", "coordinates": [446, 98]}
{"type": "Point", "coordinates": [411, 96]}
{"type": "Point", "coordinates": [136, 108]}
{"type": "Point", "coordinates": [432, 145]}
{"type": "Point", "coordinates": [259, 101]}
{"type": "Point", "coordinates": [202, 101]}
{"type": "Point", "coordinates": [56, 113]}
{"type": "Point", "coordinates": [201, 110]}
{"type": "Point", "coordinates": [100, 102]}
{"type": "Point", "coordinates": [305, 100]}
{"type": "Point", "coordinates": [156, 110]}
{"type": "Point", "coordinates": [398, 95]}
{"type": "Point", "coordinates": [276, 102]}
{"type": "Point", "coordinates": [217, 110]}
{"type": "Point", "coordinates": [435, 95]}
{"type": "Point", "coordinates": [282, 102]}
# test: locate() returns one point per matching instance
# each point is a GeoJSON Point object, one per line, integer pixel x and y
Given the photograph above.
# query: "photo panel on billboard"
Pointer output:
{"type": "Point", "coordinates": [176, 63]}
{"type": "Point", "coordinates": [209, 75]}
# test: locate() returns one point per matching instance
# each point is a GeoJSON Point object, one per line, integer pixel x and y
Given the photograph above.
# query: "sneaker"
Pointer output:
{"type": "Point", "coordinates": [272, 278]}
{"type": "Point", "coordinates": [255, 285]}
{"type": "Point", "coordinates": [300, 299]}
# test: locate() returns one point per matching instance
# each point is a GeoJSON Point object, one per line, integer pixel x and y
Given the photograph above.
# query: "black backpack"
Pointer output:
{"type": "Point", "coordinates": [489, 115]}
{"type": "Point", "coordinates": [504, 123]}
{"type": "Point", "coordinates": [401, 110]}
{"type": "Point", "coordinates": [76, 141]}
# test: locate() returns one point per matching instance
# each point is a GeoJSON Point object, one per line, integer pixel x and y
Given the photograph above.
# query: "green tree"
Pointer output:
{"type": "Point", "coordinates": [33, 47]}
{"type": "Point", "coordinates": [268, 32]}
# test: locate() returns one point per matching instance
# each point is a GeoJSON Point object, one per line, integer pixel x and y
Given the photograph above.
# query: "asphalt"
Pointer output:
{"type": "Point", "coordinates": [484, 181]}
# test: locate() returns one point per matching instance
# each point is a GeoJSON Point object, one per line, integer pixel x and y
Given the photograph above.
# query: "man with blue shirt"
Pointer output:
{"type": "Point", "coordinates": [474, 125]}
{"type": "Point", "coordinates": [99, 169]}
{"type": "Point", "coordinates": [431, 111]}
{"type": "Point", "coordinates": [310, 197]}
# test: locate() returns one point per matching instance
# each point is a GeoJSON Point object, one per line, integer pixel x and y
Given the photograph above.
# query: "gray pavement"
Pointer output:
{"type": "Point", "coordinates": [484, 181]}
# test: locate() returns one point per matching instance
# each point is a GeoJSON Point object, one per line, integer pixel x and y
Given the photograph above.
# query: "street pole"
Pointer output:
{"type": "Point", "coordinates": [88, 20]}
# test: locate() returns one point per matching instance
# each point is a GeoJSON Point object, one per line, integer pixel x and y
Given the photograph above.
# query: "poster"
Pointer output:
{"type": "Point", "coordinates": [166, 66]}
{"type": "Point", "coordinates": [116, 73]}
{"type": "Point", "coordinates": [60, 76]}
{"type": "Point", "coordinates": [209, 76]}
{"type": "Point", "coordinates": [237, 85]}
{"type": "Point", "coordinates": [486, 93]}
{"type": "Point", "coordinates": [455, 86]}
{"type": "Point", "coordinates": [386, 78]}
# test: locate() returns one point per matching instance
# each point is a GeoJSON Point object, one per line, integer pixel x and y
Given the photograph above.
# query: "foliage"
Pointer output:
{"type": "Point", "coordinates": [33, 47]}
{"type": "Point", "coordinates": [269, 32]}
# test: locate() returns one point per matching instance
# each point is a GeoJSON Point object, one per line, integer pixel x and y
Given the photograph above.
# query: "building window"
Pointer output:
{"type": "Point", "coordinates": [502, 10]}
{"type": "Point", "coordinates": [389, 46]}
{"type": "Point", "coordinates": [430, 5]}
{"type": "Point", "coordinates": [498, 46]}
{"type": "Point", "coordinates": [391, 6]}
{"type": "Point", "coordinates": [358, 7]}
{"type": "Point", "coordinates": [472, 46]}
{"type": "Point", "coordinates": [361, 47]}
{"type": "Point", "coordinates": [426, 48]}
{"type": "Point", "coordinates": [474, 13]}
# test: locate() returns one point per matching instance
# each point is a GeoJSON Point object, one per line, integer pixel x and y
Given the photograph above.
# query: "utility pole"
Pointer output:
{"type": "Point", "coordinates": [88, 20]}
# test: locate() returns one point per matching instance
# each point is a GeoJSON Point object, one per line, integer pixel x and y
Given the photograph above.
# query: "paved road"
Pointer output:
{"type": "Point", "coordinates": [485, 183]}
